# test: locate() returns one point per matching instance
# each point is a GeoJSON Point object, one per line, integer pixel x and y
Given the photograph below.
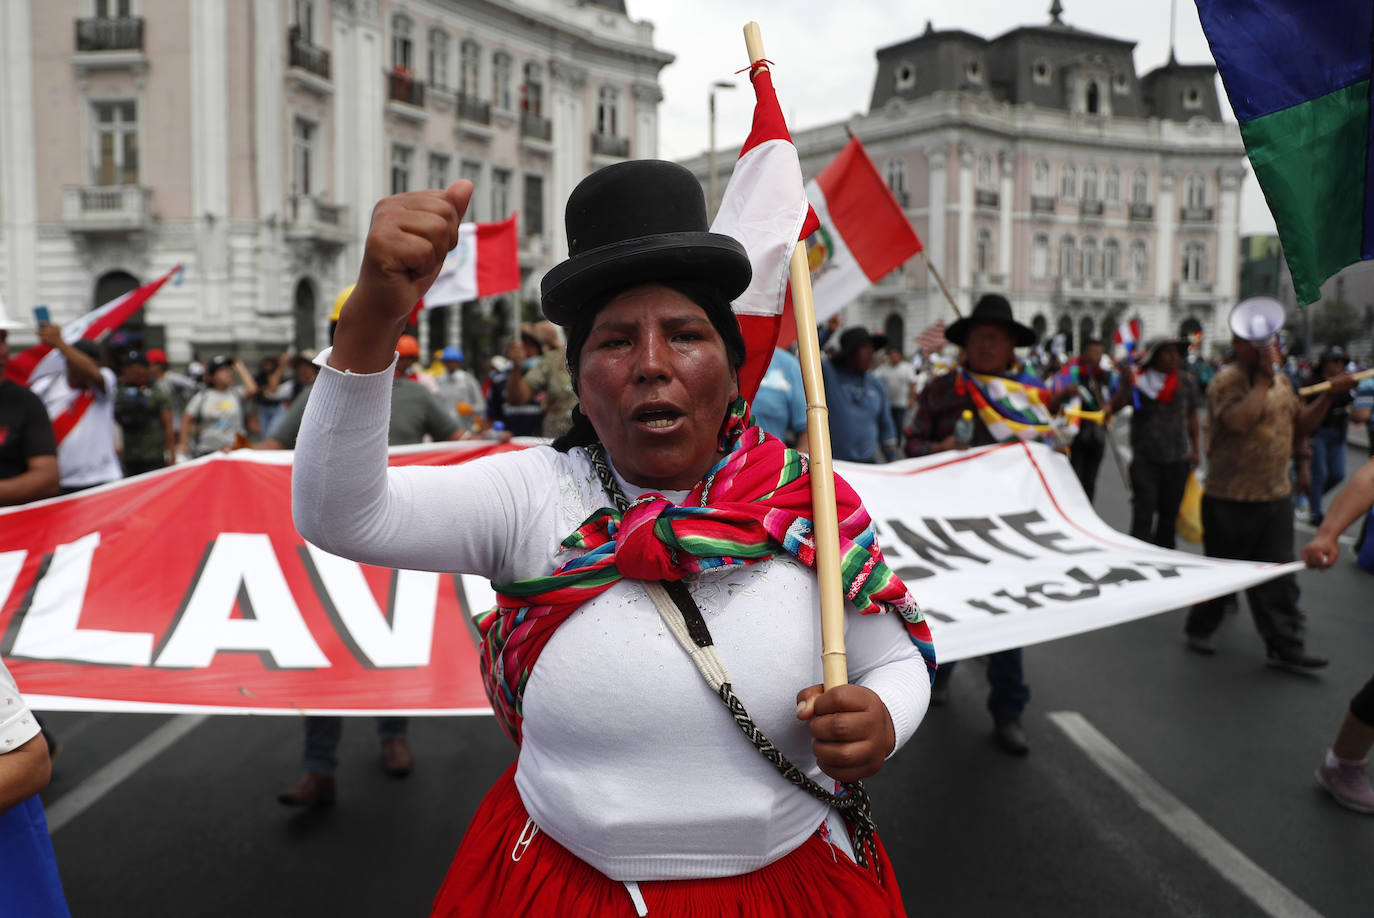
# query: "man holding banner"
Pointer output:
{"type": "Point", "coordinates": [988, 379]}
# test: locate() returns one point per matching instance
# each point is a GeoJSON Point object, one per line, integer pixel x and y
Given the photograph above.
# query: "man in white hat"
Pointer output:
{"type": "Point", "coordinates": [1258, 428]}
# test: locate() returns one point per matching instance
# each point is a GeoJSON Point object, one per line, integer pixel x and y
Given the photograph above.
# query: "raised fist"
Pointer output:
{"type": "Point", "coordinates": [406, 244]}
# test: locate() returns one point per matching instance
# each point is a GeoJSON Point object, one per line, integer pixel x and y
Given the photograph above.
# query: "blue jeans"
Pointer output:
{"type": "Point", "coordinates": [322, 735]}
{"type": "Point", "coordinates": [1008, 690]}
{"type": "Point", "coordinates": [1328, 466]}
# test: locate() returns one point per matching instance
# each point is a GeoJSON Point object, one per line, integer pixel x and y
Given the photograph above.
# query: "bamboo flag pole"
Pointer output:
{"type": "Point", "coordinates": [941, 281]}
{"type": "Point", "coordinates": [1319, 388]}
{"type": "Point", "coordinates": [826, 524]}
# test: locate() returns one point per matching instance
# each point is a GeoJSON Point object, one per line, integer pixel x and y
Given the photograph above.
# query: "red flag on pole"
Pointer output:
{"type": "Point", "coordinates": [41, 360]}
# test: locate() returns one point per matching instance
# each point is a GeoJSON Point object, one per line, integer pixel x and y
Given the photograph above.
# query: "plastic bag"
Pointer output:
{"type": "Point", "coordinates": [1189, 523]}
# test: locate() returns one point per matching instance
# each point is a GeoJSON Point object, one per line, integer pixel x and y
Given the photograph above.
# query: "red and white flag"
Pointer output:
{"type": "Point", "coordinates": [41, 361]}
{"type": "Point", "coordinates": [485, 262]}
{"type": "Point", "coordinates": [764, 207]}
{"type": "Point", "coordinates": [1127, 333]}
{"type": "Point", "coordinates": [863, 234]}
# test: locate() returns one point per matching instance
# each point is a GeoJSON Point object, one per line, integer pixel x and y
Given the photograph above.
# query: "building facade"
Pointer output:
{"type": "Point", "coordinates": [249, 139]}
{"type": "Point", "coordinates": [1039, 165]}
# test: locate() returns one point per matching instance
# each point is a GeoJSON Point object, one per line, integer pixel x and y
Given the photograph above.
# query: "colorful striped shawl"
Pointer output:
{"type": "Point", "coordinates": [1011, 406]}
{"type": "Point", "coordinates": [754, 504]}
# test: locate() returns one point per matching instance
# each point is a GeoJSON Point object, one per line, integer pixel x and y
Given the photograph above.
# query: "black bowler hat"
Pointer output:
{"type": "Point", "coordinates": [991, 307]}
{"type": "Point", "coordinates": [635, 222]}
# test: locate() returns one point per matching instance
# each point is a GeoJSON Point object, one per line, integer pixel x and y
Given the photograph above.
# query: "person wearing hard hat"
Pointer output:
{"type": "Point", "coordinates": [459, 390]}
{"type": "Point", "coordinates": [1257, 428]}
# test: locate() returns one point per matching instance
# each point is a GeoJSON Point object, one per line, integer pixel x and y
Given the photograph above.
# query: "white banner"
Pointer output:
{"type": "Point", "coordinates": [1001, 548]}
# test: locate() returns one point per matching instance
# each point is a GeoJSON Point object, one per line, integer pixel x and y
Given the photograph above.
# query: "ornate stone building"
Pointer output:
{"type": "Point", "coordinates": [249, 139]}
{"type": "Point", "coordinates": [1039, 165]}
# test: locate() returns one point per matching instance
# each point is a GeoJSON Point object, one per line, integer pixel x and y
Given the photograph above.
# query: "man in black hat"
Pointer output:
{"type": "Point", "coordinates": [861, 428]}
{"type": "Point", "coordinates": [1164, 437]}
{"type": "Point", "coordinates": [989, 337]}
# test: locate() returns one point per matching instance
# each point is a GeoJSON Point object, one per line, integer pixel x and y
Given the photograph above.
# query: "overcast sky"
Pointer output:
{"type": "Point", "coordinates": [824, 52]}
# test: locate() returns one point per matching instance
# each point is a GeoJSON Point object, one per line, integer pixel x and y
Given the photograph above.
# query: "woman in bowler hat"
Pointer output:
{"type": "Point", "coordinates": [650, 565]}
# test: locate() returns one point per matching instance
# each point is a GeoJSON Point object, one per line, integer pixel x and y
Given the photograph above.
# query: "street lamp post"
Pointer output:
{"type": "Point", "coordinates": [711, 174]}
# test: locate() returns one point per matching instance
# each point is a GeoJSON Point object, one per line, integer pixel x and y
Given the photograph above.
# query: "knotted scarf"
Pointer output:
{"type": "Point", "coordinates": [753, 504]}
{"type": "Point", "coordinates": [1157, 385]}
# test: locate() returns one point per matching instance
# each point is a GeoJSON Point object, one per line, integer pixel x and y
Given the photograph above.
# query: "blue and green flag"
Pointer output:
{"type": "Point", "coordinates": [1297, 73]}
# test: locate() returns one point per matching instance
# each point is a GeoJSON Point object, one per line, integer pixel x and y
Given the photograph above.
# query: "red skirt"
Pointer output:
{"type": "Point", "coordinates": [486, 879]}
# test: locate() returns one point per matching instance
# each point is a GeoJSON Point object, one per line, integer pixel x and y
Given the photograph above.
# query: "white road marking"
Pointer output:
{"type": "Point", "coordinates": [80, 798]}
{"type": "Point", "coordinates": [1268, 893]}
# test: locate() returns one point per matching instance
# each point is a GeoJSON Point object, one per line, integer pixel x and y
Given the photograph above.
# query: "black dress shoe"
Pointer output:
{"type": "Point", "coordinates": [1011, 739]}
{"type": "Point", "coordinates": [1294, 659]}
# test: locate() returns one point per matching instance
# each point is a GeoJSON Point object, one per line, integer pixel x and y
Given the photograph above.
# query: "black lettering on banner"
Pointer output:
{"type": "Point", "coordinates": [986, 606]}
{"type": "Point", "coordinates": [1021, 522]}
{"type": "Point", "coordinates": [1164, 569]}
{"type": "Point", "coordinates": [983, 526]}
{"type": "Point", "coordinates": [935, 614]}
{"type": "Point", "coordinates": [1114, 575]}
{"type": "Point", "coordinates": [1089, 591]}
{"type": "Point", "coordinates": [1025, 600]}
{"type": "Point", "coordinates": [927, 549]}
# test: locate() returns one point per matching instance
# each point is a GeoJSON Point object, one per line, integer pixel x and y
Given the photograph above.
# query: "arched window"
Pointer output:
{"type": "Point", "coordinates": [437, 58]}
{"type": "Point", "coordinates": [896, 176]}
{"type": "Point", "coordinates": [1113, 186]}
{"type": "Point", "coordinates": [1194, 262]}
{"type": "Point", "coordinates": [1067, 258]}
{"type": "Point", "coordinates": [1139, 267]}
{"type": "Point", "coordinates": [1140, 188]}
{"type": "Point", "coordinates": [402, 48]}
{"type": "Point", "coordinates": [501, 95]}
{"type": "Point", "coordinates": [1040, 256]}
{"type": "Point", "coordinates": [1111, 259]}
{"type": "Point", "coordinates": [1195, 191]}
{"type": "Point", "coordinates": [532, 93]}
{"type": "Point", "coordinates": [984, 251]}
{"type": "Point", "coordinates": [607, 111]}
{"type": "Point", "coordinates": [1068, 182]}
{"type": "Point", "coordinates": [1090, 183]}
{"type": "Point", "coordinates": [1085, 331]}
{"type": "Point", "coordinates": [1040, 180]}
{"type": "Point", "coordinates": [1090, 258]}
{"type": "Point", "coordinates": [470, 76]}
{"type": "Point", "coordinates": [1093, 102]}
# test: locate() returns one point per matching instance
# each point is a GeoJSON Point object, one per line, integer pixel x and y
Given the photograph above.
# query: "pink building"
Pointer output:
{"type": "Point", "coordinates": [249, 139]}
{"type": "Point", "coordinates": [1039, 165]}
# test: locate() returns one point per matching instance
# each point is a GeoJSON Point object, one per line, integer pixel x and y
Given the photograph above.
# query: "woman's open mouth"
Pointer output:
{"type": "Point", "coordinates": [659, 418]}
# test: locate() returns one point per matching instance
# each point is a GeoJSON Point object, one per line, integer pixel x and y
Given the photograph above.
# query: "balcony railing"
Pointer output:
{"type": "Point", "coordinates": [1142, 211]}
{"type": "Point", "coordinates": [306, 56]}
{"type": "Point", "coordinates": [985, 198]}
{"type": "Point", "coordinates": [402, 87]}
{"type": "Point", "coordinates": [1186, 291]}
{"type": "Point", "coordinates": [1041, 204]}
{"type": "Point", "coordinates": [1090, 208]}
{"type": "Point", "coordinates": [1195, 214]}
{"type": "Point", "coordinates": [471, 108]}
{"type": "Point", "coordinates": [535, 127]}
{"type": "Point", "coordinates": [99, 33]}
{"type": "Point", "coordinates": [105, 207]}
{"type": "Point", "coordinates": [610, 145]}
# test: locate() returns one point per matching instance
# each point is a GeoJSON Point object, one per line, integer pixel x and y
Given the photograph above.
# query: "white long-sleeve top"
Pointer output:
{"type": "Point", "coordinates": [628, 758]}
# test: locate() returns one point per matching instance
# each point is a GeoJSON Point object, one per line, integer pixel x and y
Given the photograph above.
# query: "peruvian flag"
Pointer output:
{"type": "Point", "coordinates": [863, 232]}
{"type": "Point", "coordinates": [764, 207]}
{"type": "Point", "coordinates": [41, 361]}
{"type": "Point", "coordinates": [485, 262]}
{"type": "Point", "coordinates": [1127, 333]}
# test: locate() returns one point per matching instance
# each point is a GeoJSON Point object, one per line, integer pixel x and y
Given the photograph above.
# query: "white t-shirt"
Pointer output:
{"type": "Point", "coordinates": [86, 455]}
{"type": "Point", "coordinates": [629, 760]}
{"type": "Point", "coordinates": [17, 723]}
{"type": "Point", "coordinates": [896, 379]}
{"type": "Point", "coordinates": [216, 419]}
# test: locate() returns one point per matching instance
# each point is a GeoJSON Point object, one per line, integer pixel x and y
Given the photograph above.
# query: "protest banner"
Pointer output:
{"type": "Point", "coordinates": [189, 589]}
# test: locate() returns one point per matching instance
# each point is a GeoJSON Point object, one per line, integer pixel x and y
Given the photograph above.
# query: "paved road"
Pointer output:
{"type": "Point", "coordinates": [1215, 811]}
